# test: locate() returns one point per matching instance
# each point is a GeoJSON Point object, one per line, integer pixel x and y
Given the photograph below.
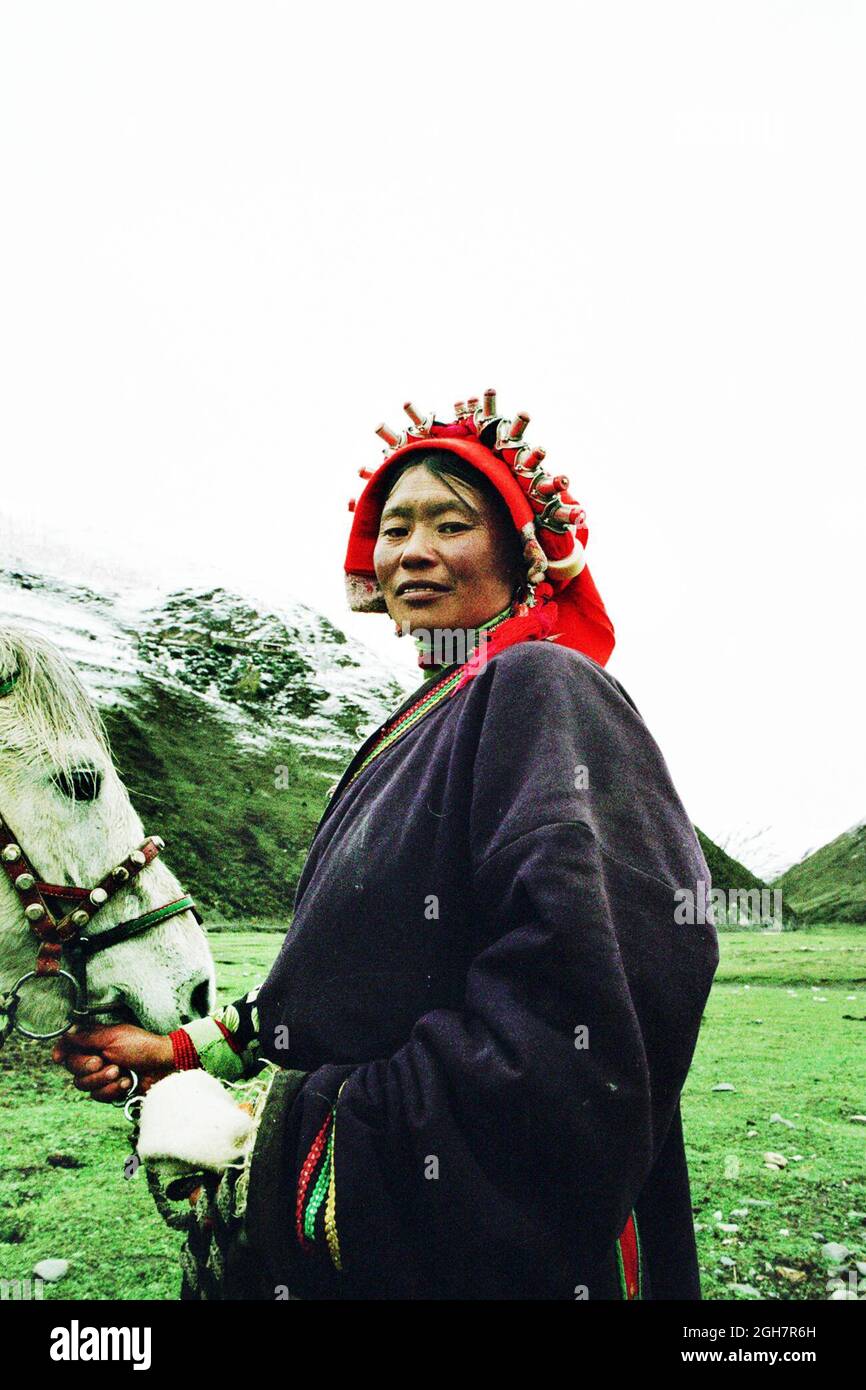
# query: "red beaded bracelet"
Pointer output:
{"type": "Point", "coordinates": [183, 1048]}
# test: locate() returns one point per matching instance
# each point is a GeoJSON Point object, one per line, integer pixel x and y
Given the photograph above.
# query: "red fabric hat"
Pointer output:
{"type": "Point", "coordinates": [563, 604]}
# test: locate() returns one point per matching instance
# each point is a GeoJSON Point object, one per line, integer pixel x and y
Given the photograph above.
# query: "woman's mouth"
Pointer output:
{"type": "Point", "coordinates": [421, 593]}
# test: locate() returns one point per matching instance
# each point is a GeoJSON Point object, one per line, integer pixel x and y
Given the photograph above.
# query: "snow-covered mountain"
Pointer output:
{"type": "Point", "coordinates": [228, 721]}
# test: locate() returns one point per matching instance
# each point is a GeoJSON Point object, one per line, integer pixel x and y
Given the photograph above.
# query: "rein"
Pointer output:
{"type": "Point", "coordinates": [62, 932]}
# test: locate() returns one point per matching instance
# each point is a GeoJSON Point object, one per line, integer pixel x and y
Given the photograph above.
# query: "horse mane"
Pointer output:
{"type": "Point", "coordinates": [52, 708]}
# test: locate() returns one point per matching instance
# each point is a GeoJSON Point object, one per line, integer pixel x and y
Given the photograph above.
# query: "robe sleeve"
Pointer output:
{"type": "Point", "coordinates": [226, 1042]}
{"type": "Point", "coordinates": [499, 1153]}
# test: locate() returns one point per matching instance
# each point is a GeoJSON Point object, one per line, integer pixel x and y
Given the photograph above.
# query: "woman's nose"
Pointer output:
{"type": "Point", "coordinates": [418, 546]}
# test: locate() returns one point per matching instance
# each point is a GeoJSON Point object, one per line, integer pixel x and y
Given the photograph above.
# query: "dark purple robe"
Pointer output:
{"type": "Point", "coordinates": [484, 949]}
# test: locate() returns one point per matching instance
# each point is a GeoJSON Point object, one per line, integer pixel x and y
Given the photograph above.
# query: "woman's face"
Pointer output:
{"type": "Point", "coordinates": [442, 561]}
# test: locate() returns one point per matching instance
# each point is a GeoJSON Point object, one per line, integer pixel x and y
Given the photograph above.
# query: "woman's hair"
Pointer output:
{"type": "Point", "coordinates": [444, 464]}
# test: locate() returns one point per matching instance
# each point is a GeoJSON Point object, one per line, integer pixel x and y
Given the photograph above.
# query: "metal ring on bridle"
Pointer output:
{"type": "Point", "coordinates": [133, 1119]}
{"type": "Point", "coordinates": [34, 975]}
{"type": "Point", "coordinates": [129, 1095]}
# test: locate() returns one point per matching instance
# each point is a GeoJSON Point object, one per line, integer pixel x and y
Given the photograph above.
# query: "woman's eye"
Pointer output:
{"type": "Point", "coordinates": [393, 532]}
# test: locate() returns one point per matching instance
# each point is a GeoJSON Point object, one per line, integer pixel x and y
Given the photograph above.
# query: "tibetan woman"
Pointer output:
{"type": "Point", "coordinates": [471, 1047]}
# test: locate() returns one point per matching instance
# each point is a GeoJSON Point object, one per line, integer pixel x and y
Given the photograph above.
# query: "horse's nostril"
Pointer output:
{"type": "Point", "coordinates": [82, 784]}
{"type": "Point", "coordinates": [200, 999]}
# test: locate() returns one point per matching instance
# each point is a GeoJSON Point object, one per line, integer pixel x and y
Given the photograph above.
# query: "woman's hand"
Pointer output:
{"type": "Point", "coordinates": [97, 1056]}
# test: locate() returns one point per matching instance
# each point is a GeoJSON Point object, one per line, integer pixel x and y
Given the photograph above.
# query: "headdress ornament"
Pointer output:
{"type": "Point", "coordinates": [562, 602]}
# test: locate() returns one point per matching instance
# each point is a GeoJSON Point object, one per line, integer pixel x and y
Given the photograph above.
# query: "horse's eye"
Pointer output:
{"type": "Point", "coordinates": [81, 785]}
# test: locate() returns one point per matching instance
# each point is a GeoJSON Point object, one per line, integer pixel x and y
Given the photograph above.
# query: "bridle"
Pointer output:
{"type": "Point", "coordinates": [62, 933]}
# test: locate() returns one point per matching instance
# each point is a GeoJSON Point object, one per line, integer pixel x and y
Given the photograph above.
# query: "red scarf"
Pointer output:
{"type": "Point", "coordinates": [527, 625]}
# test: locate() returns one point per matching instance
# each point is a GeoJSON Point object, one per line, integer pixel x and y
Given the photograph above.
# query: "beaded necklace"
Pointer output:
{"type": "Point", "coordinates": [391, 732]}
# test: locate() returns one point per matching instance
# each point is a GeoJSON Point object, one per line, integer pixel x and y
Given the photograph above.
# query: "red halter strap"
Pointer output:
{"type": "Point", "coordinates": [54, 933]}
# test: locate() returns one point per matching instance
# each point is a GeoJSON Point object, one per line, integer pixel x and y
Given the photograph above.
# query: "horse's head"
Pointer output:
{"type": "Point", "coordinates": [60, 793]}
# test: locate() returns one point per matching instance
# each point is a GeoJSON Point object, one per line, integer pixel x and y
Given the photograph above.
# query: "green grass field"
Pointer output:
{"type": "Point", "coordinates": [775, 1028]}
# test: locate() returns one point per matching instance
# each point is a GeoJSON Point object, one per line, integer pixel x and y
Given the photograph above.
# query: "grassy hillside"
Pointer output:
{"type": "Point", "coordinates": [235, 836]}
{"type": "Point", "coordinates": [726, 872]}
{"type": "Point", "coordinates": [831, 883]}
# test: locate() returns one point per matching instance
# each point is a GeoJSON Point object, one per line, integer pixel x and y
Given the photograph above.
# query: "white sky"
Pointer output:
{"type": "Point", "coordinates": [235, 237]}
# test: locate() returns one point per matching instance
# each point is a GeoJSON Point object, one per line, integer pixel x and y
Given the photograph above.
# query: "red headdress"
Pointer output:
{"type": "Point", "coordinates": [562, 604]}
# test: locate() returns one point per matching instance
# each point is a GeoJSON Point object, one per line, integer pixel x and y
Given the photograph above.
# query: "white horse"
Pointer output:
{"type": "Point", "coordinates": [61, 796]}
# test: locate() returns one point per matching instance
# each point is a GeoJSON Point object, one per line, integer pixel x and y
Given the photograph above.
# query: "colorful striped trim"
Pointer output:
{"type": "Point", "coordinates": [407, 720]}
{"type": "Point", "coordinates": [324, 1190]}
{"type": "Point", "coordinates": [319, 1191]}
{"type": "Point", "coordinates": [410, 717]}
{"type": "Point", "coordinates": [628, 1258]}
{"type": "Point", "coordinates": [331, 1216]}
{"type": "Point", "coordinates": [311, 1163]}
{"type": "Point", "coordinates": [331, 1235]}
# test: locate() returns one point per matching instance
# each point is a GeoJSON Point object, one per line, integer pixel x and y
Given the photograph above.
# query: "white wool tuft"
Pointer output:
{"type": "Point", "coordinates": [191, 1117]}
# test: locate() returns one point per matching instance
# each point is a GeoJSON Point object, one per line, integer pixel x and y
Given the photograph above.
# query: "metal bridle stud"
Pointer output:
{"type": "Point", "coordinates": [24, 882]}
{"type": "Point", "coordinates": [34, 912]}
{"type": "Point", "coordinates": [11, 853]}
{"type": "Point", "coordinates": [138, 857]}
{"type": "Point", "coordinates": [80, 918]}
{"type": "Point", "coordinates": [120, 873]}
{"type": "Point", "coordinates": [98, 897]}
